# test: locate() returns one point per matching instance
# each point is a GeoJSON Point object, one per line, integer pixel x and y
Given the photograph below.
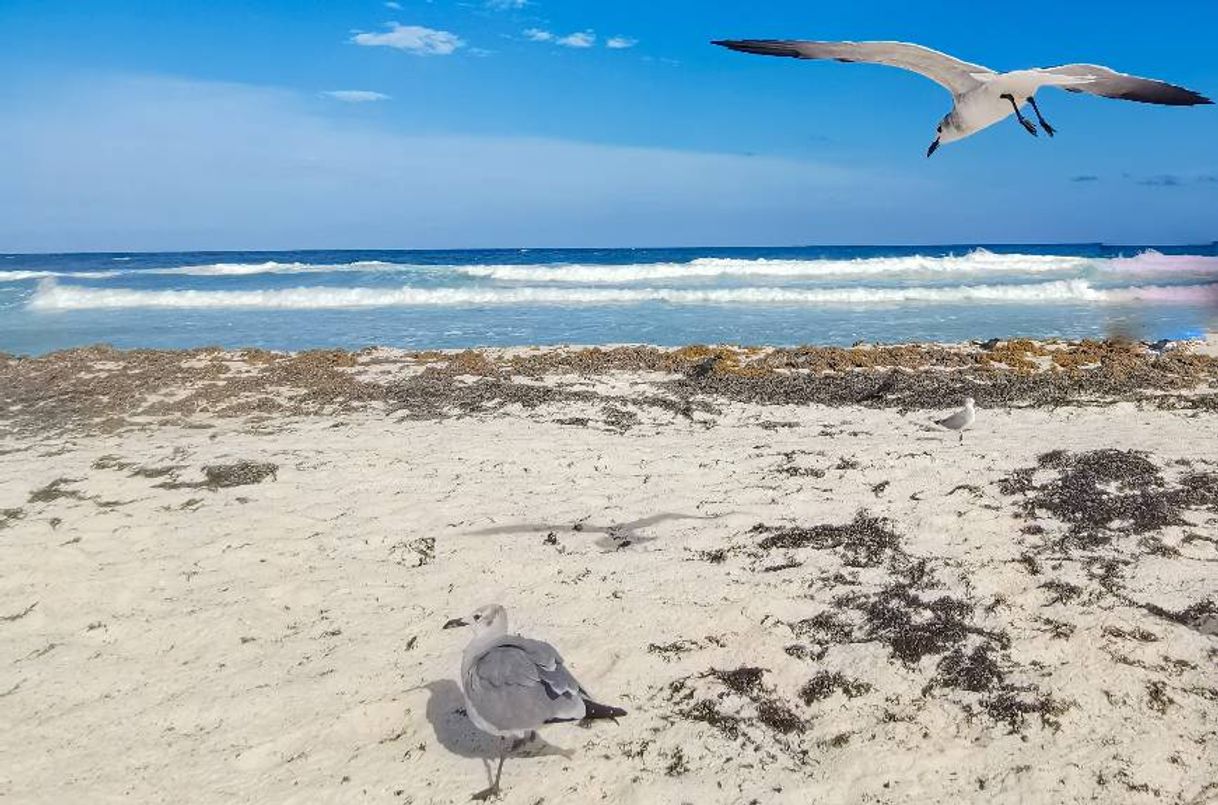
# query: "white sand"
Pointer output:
{"type": "Point", "coordinates": [272, 642]}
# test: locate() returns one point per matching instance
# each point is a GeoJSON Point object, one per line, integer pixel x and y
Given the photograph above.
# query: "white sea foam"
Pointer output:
{"type": "Point", "coordinates": [21, 275]}
{"type": "Point", "coordinates": [1151, 262]}
{"type": "Point", "coordinates": [976, 262]}
{"type": "Point", "coordinates": [52, 296]}
{"type": "Point", "coordinates": [272, 267]}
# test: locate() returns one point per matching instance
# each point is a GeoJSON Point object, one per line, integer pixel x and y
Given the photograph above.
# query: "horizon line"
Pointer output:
{"type": "Point", "coordinates": [924, 244]}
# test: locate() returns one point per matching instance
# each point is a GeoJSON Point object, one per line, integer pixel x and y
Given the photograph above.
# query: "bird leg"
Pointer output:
{"type": "Point", "coordinates": [492, 791]}
{"type": "Point", "coordinates": [1044, 124]}
{"type": "Point", "coordinates": [1023, 121]}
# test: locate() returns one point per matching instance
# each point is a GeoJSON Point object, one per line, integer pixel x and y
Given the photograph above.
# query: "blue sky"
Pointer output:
{"type": "Point", "coordinates": [241, 125]}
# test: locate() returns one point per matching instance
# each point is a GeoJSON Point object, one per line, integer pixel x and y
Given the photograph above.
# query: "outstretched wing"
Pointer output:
{"type": "Point", "coordinates": [957, 76]}
{"type": "Point", "coordinates": [1098, 80]}
{"type": "Point", "coordinates": [517, 685]}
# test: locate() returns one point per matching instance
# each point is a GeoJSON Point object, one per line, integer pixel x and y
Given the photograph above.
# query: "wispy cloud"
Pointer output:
{"type": "Point", "coordinates": [1087, 177]}
{"type": "Point", "coordinates": [620, 42]}
{"type": "Point", "coordinates": [1172, 179]}
{"type": "Point", "coordinates": [507, 5]}
{"type": "Point", "coordinates": [1162, 180]}
{"type": "Point", "coordinates": [393, 5]}
{"type": "Point", "coordinates": [355, 95]}
{"type": "Point", "coordinates": [413, 39]}
{"type": "Point", "coordinates": [579, 39]}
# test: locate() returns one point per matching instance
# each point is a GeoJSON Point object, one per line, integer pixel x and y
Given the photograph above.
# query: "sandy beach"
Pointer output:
{"type": "Point", "coordinates": [226, 572]}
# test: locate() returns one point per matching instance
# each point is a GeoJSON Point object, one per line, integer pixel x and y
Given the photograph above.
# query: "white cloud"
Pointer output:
{"type": "Point", "coordinates": [507, 5]}
{"type": "Point", "coordinates": [393, 5]}
{"type": "Point", "coordinates": [580, 39]}
{"type": "Point", "coordinates": [356, 95]}
{"type": "Point", "coordinates": [412, 38]}
{"type": "Point", "coordinates": [620, 42]}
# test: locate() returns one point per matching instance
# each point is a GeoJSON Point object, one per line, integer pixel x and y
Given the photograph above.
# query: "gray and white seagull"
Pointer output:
{"type": "Point", "coordinates": [981, 96]}
{"type": "Point", "coordinates": [514, 685]}
{"type": "Point", "coordinates": [960, 420]}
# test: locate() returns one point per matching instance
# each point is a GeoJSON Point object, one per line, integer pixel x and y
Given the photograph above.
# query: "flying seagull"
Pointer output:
{"type": "Point", "coordinates": [514, 685]}
{"type": "Point", "coordinates": [981, 96]}
{"type": "Point", "coordinates": [961, 419]}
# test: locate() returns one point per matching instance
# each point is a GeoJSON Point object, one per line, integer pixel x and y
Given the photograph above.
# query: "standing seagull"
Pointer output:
{"type": "Point", "coordinates": [961, 419]}
{"type": "Point", "coordinates": [981, 96]}
{"type": "Point", "coordinates": [514, 685]}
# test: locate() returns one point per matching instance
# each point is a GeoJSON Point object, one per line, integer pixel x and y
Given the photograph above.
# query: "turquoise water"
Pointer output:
{"type": "Point", "coordinates": [451, 299]}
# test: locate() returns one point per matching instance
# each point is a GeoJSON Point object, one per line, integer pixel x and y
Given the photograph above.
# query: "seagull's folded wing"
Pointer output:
{"type": "Point", "coordinates": [1098, 80]}
{"type": "Point", "coordinates": [955, 421]}
{"type": "Point", "coordinates": [956, 75]}
{"type": "Point", "coordinates": [519, 684]}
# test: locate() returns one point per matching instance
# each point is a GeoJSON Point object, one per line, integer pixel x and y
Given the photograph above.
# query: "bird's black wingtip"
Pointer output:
{"type": "Point", "coordinates": [596, 710]}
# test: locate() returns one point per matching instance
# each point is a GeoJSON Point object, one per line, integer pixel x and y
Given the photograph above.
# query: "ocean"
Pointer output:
{"type": "Point", "coordinates": [456, 299]}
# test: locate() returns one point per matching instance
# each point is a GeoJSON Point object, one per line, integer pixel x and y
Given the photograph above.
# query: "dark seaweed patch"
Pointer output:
{"type": "Point", "coordinates": [1135, 633]}
{"type": "Point", "coordinates": [865, 542]}
{"type": "Point", "coordinates": [1157, 698]}
{"type": "Point", "coordinates": [1061, 592]}
{"type": "Point", "coordinates": [1013, 706]}
{"type": "Point", "coordinates": [240, 473]}
{"type": "Point", "coordinates": [1104, 494]}
{"type": "Point", "coordinates": [1202, 616]}
{"type": "Point", "coordinates": [224, 476]}
{"type": "Point", "coordinates": [745, 680]}
{"type": "Point", "coordinates": [913, 626]}
{"type": "Point", "coordinates": [778, 717]}
{"type": "Point", "coordinates": [1059, 629]}
{"type": "Point", "coordinates": [824, 627]}
{"type": "Point", "coordinates": [977, 671]}
{"type": "Point", "coordinates": [676, 764]}
{"type": "Point", "coordinates": [55, 490]}
{"type": "Point", "coordinates": [826, 683]}
{"type": "Point", "coordinates": [670, 651]}
{"type": "Point", "coordinates": [9, 516]}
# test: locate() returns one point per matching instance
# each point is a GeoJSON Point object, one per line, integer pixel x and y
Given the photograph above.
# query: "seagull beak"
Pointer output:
{"type": "Point", "coordinates": [933, 147]}
{"type": "Point", "coordinates": [455, 623]}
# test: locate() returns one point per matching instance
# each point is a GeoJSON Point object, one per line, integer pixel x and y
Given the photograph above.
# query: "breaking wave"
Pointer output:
{"type": "Point", "coordinates": [976, 262]}
{"type": "Point", "coordinates": [272, 267]}
{"type": "Point", "coordinates": [52, 296]}
{"type": "Point", "coordinates": [20, 275]}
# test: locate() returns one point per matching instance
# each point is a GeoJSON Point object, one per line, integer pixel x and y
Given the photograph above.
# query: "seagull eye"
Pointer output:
{"type": "Point", "coordinates": [477, 617]}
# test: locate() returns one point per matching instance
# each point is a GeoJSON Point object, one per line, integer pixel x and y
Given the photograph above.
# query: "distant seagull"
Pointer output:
{"type": "Point", "coordinates": [981, 96]}
{"type": "Point", "coordinates": [514, 685]}
{"type": "Point", "coordinates": [961, 419]}
{"type": "Point", "coordinates": [1162, 347]}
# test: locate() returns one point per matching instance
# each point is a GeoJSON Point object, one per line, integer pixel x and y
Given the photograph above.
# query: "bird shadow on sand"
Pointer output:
{"type": "Point", "coordinates": [615, 536]}
{"type": "Point", "coordinates": [457, 734]}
